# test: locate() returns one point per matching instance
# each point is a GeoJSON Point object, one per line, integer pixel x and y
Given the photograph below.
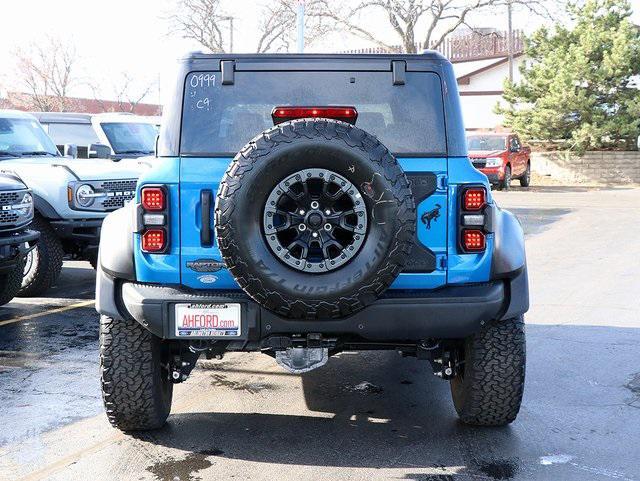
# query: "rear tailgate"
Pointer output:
{"type": "Point", "coordinates": [219, 118]}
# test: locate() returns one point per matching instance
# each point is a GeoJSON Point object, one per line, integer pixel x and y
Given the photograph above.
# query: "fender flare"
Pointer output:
{"type": "Point", "coordinates": [45, 209]}
{"type": "Point", "coordinates": [509, 262]}
{"type": "Point", "coordinates": [115, 253]}
{"type": "Point", "coordinates": [115, 259]}
{"type": "Point", "coordinates": [509, 256]}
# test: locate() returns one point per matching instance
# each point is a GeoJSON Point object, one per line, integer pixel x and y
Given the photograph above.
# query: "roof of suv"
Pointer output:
{"type": "Point", "coordinates": [426, 55]}
{"type": "Point", "coordinates": [83, 118]}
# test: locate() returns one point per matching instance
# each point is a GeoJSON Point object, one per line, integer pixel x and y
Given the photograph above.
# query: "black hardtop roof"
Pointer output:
{"type": "Point", "coordinates": [428, 60]}
{"type": "Point", "coordinates": [426, 55]}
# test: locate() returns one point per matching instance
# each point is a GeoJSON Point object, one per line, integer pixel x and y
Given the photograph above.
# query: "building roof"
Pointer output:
{"type": "Point", "coordinates": [26, 102]}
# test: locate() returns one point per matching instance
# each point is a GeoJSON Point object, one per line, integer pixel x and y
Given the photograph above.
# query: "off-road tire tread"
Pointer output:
{"type": "Point", "coordinates": [245, 161]}
{"type": "Point", "coordinates": [130, 389]}
{"type": "Point", "coordinates": [494, 375]}
{"type": "Point", "coordinates": [10, 283]}
{"type": "Point", "coordinates": [50, 253]}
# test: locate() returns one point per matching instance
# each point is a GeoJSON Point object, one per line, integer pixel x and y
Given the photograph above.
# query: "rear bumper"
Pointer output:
{"type": "Point", "coordinates": [13, 247]}
{"type": "Point", "coordinates": [407, 316]}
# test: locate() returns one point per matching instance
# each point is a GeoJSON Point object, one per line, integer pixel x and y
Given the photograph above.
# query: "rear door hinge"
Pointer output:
{"type": "Point", "coordinates": [442, 182]}
{"type": "Point", "coordinates": [441, 262]}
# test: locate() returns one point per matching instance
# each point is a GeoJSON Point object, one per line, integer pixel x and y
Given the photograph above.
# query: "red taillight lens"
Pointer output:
{"type": "Point", "coordinates": [154, 240]}
{"type": "Point", "coordinates": [475, 198]}
{"type": "Point", "coordinates": [153, 198]}
{"type": "Point", "coordinates": [473, 240]}
{"type": "Point", "coordinates": [346, 114]}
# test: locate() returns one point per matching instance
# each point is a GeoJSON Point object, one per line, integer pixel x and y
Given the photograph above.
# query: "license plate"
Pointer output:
{"type": "Point", "coordinates": [208, 320]}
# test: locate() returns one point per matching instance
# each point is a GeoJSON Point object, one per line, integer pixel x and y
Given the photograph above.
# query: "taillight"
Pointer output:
{"type": "Point", "coordinates": [152, 198]}
{"type": "Point", "coordinates": [473, 240]}
{"type": "Point", "coordinates": [472, 224]}
{"type": "Point", "coordinates": [154, 217]}
{"type": "Point", "coordinates": [154, 240]}
{"type": "Point", "coordinates": [282, 114]}
{"type": "Point", "coordinates": [474, 198]}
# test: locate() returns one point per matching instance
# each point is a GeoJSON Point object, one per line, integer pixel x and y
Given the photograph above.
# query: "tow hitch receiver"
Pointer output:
{"type": "Point", "coordinates": [298, 354]}
{"type": "Point", "coordinates": [302, 359]}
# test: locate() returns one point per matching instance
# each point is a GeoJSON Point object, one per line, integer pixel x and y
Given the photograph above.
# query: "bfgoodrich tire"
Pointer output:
{"type": "Point", "coordinates": [488, 391]}
{"type": "Point", "coordinates": [361, 267]}
{"type": "Point", "coordinates": [43, 263]}
{"type": "Point", "coordinates": [136, 389]}
{"type": "Point", "coordinates": [10, 283]}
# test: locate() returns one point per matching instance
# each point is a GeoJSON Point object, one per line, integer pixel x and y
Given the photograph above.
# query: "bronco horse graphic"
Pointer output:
{"type": "Point", "coordinates": [431, 215]}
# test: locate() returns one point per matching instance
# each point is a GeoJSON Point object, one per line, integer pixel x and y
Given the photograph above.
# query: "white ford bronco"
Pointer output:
{"type": "Point", "coordinates": [71, 196]}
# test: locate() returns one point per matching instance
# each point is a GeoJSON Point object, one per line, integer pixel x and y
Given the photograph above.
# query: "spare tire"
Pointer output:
{"type": "Point", "coordinates": [315, 219]}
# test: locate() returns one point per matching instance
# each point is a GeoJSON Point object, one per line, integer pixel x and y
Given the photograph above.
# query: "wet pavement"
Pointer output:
{"type": "Point", "coordinates": [363, 416]}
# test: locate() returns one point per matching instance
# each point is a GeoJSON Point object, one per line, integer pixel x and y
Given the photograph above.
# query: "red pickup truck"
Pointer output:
{"type": "Point", "coordinates": [501, 157]}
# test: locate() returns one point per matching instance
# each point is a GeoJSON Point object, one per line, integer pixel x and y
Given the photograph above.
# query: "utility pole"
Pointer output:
{"type": "Point", "coordinates": [300, 24]}
{"type": "Point", "coordinates": [230, 19]}
{"type": "Point", "coordinates": [510, 40]}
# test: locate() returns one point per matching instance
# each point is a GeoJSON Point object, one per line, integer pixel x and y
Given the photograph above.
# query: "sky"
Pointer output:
{"type": "Point", "coordinates": [135, 36]}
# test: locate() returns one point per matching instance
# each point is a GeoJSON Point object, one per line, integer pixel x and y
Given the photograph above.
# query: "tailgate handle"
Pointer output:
{"type": "Point", "coordinates": [206, 238]}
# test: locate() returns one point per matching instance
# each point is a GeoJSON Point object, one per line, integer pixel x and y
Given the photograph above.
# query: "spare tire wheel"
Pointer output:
{"type": "Point", "coordinates": [315, 219]}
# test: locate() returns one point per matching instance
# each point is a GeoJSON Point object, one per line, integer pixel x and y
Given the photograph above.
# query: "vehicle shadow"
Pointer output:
{"type": "Point", "coordinates": [77, 280]}
{"type": "Point", "coordinates": [381, 411]}
{"type": "Point", "coordinates": [537, 220]}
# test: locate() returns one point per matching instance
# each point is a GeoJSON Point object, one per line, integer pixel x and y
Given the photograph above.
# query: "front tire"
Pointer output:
{"type": "Point", "coordinates": [488, 391]}
{"type": "Point", "coordinates": [136, 388]}
{"type": "Point", "coordinates": [10, 283]}
{"type": "Point", "coordinates": [43, 263]}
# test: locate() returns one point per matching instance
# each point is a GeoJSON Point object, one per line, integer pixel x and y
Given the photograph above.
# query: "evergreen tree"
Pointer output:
{"type": "Point", "coordinates": [580, 84]}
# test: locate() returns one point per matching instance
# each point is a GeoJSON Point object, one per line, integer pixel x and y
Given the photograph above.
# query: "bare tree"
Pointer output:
{"type": "Point", "coordinates": [47, 70]}
{"type": "Point", "coordinates": [209, 23]}
{"type": "Point", "coordinates": [126, 92]}
{"type": "Point", "coordinates": [278, 27]}
{"type": "Point", "coordinates": [437, 18]}
{"type": "Point", "coordinates": [203, 21]}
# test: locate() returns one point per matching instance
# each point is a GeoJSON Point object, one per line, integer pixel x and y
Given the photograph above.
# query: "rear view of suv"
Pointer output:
{"type": "Point", "coordinates": [304, 205]}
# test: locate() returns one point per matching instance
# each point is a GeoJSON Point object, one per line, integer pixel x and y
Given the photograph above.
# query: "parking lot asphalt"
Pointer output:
{"type": "Point", "coordinates": [363, 416]}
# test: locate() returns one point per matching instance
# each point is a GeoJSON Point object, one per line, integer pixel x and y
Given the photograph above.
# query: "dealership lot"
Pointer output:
{"type": "Point", "coordinates": [364, 415]}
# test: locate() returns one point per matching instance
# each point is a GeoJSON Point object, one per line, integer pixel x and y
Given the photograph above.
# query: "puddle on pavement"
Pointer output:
{"type": "Point", "coordinates": [634, 384]}
{"type": "Point", "coordinates": [185, 469]}
{"type": "Point", "coordinates": [499, 470]}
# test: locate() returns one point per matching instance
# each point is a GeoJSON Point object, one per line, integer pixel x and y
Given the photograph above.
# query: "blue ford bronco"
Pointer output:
{"type": "Point", "coordinates": [304, 205]}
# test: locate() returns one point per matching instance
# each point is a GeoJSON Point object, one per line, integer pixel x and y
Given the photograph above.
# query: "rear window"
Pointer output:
{"type": "Point", "coordinates": [221, 119]}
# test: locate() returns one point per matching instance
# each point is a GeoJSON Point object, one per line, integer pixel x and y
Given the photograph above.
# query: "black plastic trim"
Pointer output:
{"type": "Point", "coordinates": [206, 237]}
{"type": "Point", "coordinates": [399, 72]}
{"type": "Point", "coordinates": [450, 312]}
